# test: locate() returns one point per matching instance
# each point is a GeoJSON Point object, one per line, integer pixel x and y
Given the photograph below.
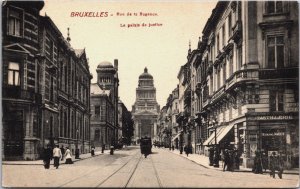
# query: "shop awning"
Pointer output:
{"type": "Point", "coordinates": [212, 136]}
{"type": "Point", "coordinates": [176, 136]}
{"type": "Point", "coordinates": [222, 134]}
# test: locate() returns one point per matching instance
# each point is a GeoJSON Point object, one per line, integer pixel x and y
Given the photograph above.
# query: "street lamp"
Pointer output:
{"type": "Point", "coordinates": [216, 151]}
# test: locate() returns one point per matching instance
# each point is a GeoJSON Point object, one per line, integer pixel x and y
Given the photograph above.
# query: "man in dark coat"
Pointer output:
{"type": "Point", "coordinates": [226, 160]}
{"type": "Point", "coordinates": [276, 163]}
{"type": "Point", "coordinates": [257, 163]}
{"type": "Point", "coordinates": [47, 157]}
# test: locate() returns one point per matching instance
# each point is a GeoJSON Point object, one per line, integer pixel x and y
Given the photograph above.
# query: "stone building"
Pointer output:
{"type": "Point", "coordinates": [37, 100]}
{"type": "Point", "coordinates": [145, 109]}
{"type": "Point", "coordinates": [125, 123]}
{"type": "Point", "coordinates": [104, 105]}
{"type": "Point", "coordinates": [248, 82]}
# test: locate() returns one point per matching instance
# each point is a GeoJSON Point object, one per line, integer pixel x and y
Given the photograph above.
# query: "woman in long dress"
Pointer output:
{"type": "Point", "coordinates": [68, 156]}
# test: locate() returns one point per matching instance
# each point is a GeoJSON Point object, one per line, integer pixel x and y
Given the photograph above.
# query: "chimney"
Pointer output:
{"type": "Point", "coordinates": [116, 64]}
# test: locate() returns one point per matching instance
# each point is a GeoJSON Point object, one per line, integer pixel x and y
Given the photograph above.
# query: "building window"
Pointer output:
{"type": "Point", "coordinates": [223, 36]}
{"type": "Point", "coordinates": [51, 50]}
{"type": "Point", "coordinates": [275, 52]}
{"type": "Point", "coordinates": [239, 57]}
{"type": "Point", "coordinates": [273, 7]}
{"type": "Point", "coordinates": [229, 25]}
{"type": "Point", "coordinates": [51, 88]}
{"type": "Point", "coordinates": [15, 22]}
{"type": "Point", "coordinates": [276, 101]}
{"type": "Point", "coordinates": [224, 72]}
{"type": "Point", "coordinates": [13, 73]}
{"type": "Point", "coordinates": [230, 65]}
{"type": "Point", "coordinates": [97, 110]}
{"type": "Point", "coordinates": [218, 43]}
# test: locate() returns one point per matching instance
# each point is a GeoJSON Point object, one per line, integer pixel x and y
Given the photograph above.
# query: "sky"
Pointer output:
{"type": "Point", "coordinates": [162, 48]}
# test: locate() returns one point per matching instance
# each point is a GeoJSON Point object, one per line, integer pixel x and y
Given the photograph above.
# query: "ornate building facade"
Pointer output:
{"type": "Point", "coordinates": [45, 85]}
{"type": "Point", "coordinates": [104, 105]}
{"type": "Point", "coordinates": [145, 109]}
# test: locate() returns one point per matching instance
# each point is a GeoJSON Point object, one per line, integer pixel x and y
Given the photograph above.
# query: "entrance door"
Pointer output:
{"type": "Point", "coordinates": [14, 135]}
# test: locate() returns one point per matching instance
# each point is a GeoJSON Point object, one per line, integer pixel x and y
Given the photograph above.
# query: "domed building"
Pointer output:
{"type": "Point", "coordinates": [145, 109]}
{"type": "Point", "coordinates": [104, 105]}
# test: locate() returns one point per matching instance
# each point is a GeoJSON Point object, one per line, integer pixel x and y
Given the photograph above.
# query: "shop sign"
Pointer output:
{"type": "Point", "coordinates": [273, 134]}
{"type": "Point", "coordinates": [279, 117]}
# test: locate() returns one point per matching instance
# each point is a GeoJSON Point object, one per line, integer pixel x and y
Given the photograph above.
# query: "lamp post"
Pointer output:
{"type": "Point", "coordinates": [216, 151]}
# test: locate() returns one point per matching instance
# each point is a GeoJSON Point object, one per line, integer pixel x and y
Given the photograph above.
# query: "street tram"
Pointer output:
{"type": "Point", "coordinates": [146, 146]}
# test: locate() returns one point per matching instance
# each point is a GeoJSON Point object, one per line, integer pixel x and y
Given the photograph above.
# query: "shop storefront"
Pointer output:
{"type": "Point", "coordinates": [273, 133]}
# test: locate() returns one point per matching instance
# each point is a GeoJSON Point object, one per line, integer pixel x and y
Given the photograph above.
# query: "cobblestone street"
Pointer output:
{"type": "Point", "coordinates": [127, 168]}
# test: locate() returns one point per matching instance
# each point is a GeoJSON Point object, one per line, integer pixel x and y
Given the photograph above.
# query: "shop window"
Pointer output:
{"type": "Point", "coordinates": [273, 7]}
{"type": "Point", "coordinates": [15, 22]}
{"type": "Point", "coordinates": [276, 100]}
{"type": "Point", "coordinates": [13, 73]}
{"type": "Point", "coordinates": [275, 52]}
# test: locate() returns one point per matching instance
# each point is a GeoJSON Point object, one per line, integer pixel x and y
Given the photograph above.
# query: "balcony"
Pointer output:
{"type": "Point", "coordinates": [179, 117]}
{"type": "Point", "coordinates": [13, 92]}
{"type": "Point", "coordinates": [278, 73]}
{"type": "Point", "coordinates": [236, 31]}
{"type": "Point", "coordinates": [241, 76]}
{"type": "Point", "coordinates": [198, 88]}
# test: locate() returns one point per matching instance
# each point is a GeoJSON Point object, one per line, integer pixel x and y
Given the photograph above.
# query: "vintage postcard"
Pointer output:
{"type": "Point", "coordinates": [156, 94]}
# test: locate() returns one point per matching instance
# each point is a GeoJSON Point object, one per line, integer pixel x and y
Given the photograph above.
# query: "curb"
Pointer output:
{"type": "Point", "coordinates": [51, 163]}
{"type": "Point", "coordinates": [242, 171]}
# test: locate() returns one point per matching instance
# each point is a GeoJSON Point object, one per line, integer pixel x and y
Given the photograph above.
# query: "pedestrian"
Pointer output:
{"type": "Point", "coordinates": [237, 160]}
{"type": "Point", "coordinates": [230, 160]}
{"type": "Point", "coordinates": [276, 163]}
{"type": "Point", "coordinates": [56, 155]}
{"type": "Point", "coordinates": [68, 156]}
{"type": "Point", "coordinates": [103, 148]}
{"type": "Point", "coordinates": [62, 149]}
{"type": "Point", "coordinates": [226, 160]}
{"type": "Point", "coordinates": [211, 156]}
{"type": "Point", "coordinates": [93, 151]}
{"type": "Point", "coordinates": [280, 165]}
{"type": "Point", "coordinates": [187, 151]}
{"type": "Point", "coordinates": [257, 163]}
{"type": "Point", "coordinates": [47, 157]}
{"type": "Point", "coordinates": [172, 147]}
{"type": "Point", "coordinates": [264, 161]}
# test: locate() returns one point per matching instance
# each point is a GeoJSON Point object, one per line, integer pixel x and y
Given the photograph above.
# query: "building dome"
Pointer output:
{"type": "Point", "coordinates": [145, 75]}
{"type": "Point", "coordinates": [105, 64]}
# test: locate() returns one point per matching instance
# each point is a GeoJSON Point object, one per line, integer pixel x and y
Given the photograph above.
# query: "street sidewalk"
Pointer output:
{"type": "Point", "coordinates": [40, 162]}
{"type": "Point", "coordinates": [204, 162]}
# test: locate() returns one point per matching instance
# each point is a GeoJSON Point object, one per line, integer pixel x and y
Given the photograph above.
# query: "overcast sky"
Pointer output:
{"type": "Point", "coordinates": [162, 49]}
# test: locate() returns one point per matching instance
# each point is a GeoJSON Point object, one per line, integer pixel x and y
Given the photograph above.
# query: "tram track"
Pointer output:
{"type": "Point", "coordinates": [156, 174]}
{"type": "Point", "coordinates": [111, 175]}
{"type": "Point", "coordinates": [95, 170]}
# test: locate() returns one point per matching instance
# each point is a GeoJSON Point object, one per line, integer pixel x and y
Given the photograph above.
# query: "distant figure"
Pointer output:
{"type": "Point", "coordinates": [68, 156]}
{"type": "Point", "coordinates": [265, 161]}
{"type": "Point", "coordinates": [226, 160]}
{"type": "Point", "coordinates": [62, 149]}
{"type": "Point", "coordinates": [93, 151]}
{"type": "Point", "coordinates": [103, 148]}
{"type": "Point", "coordinates": [187, 150]}
{"type": "Point", "coordinates": [257, 163]}
{"type": "Point", "coordinates": [56, 155]}
{"type": "Point", "coordinates": [47, 157]}
{"type": "Point", "coordinates": [172, 148]}
{"type": "Point", "coordinates": [276, 163]}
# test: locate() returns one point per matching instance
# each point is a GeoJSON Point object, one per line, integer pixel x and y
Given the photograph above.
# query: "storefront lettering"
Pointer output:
{"type": "Point", "coordinates": [273, 117]}
{"type": "Point", "coordinates": [273, 134]}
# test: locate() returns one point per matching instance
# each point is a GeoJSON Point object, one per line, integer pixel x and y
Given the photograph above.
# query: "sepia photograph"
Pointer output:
{"type": "Point", "coordinates": [150, 94]}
